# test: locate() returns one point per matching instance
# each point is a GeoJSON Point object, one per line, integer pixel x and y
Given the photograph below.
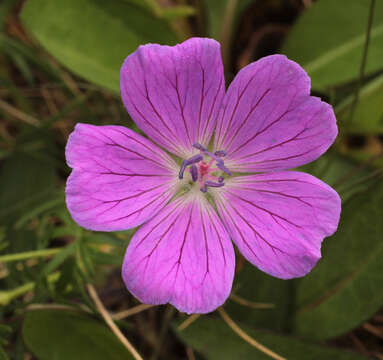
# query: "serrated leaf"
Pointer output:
{"type": "Point", "coordinates": [368, 115]}
{"type": "Point", "coordinates": [328, 40]}
{"type": "Point", "coordinates": [63, 335]}
{"type": "Point", "coordinates": [216, 341]}
{"type": "Point", "coordinates": [93, 37]}
{"type": "Point", "coordinates": [344, 289]}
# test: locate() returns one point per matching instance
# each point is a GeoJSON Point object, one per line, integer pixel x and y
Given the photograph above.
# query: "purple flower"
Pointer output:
{"type": "Point", "coordinates": [193, 191]}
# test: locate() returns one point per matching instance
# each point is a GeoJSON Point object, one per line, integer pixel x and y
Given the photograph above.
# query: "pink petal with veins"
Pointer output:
{"type": "Point", "coordinates": [174, 93]}
{"type": "Point", "coordinates": [119, 178]}
{"type": "Point", "coordinates": [269, 121]}
{"type": "Point", "coordinates": [278, 220]}
{"type": "Point", "coordinates": [182, 256]}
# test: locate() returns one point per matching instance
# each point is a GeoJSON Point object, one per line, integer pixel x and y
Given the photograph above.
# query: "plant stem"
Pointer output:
{"type": "Point", "coordinates": [169, 313]}
{"type": "Point", "coordinates": [226, 31]}
{"type": "Point", "coordinates": [108, 319]}
{"type": "Point", "coordinates": [29, 255]}
{"type": "Point", "coordinates": [7, 296]}
{"type": "Point", "coordinates": [364, 60]}
{"type": "Point", "coordinates": [246, 337]}
{"type": "Point", "coordinates": [129, 312]}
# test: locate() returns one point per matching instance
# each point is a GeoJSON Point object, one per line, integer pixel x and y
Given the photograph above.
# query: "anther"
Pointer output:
{"type": "Point", "coordinates": [199, 147]}
{"type": "Point", "coordinates": [209, 183]}
{"type": "Point", "coordinates": [194, 172]}
{"type": "Point", "coordinates": [220, 153]}
{"type": "Point", "coordinates": [194, 159]}
{"type": "Point", "coordinates": [213, 183]}
{"type": "Point", "coordinates": [182, 169]}
{"type": "Point", "coordinates": [221, 166]}
{"type": "Point", "coordinates": [198, 172]}
{"type": "Point", "coordinates": [211, 155]}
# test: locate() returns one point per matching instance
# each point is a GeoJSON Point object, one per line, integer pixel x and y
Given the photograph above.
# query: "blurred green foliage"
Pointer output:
{"type": "Point", "coordinates": [59, 64]}
{"type": "Point", "coordinates": [109, 30]}
{"type": "Point", "coordinates": [214, 339]}
{"type": "Point", "coordinates": [328, 41]}
{"type": "Point", "coordinates": [63, 335]}
{"type": "Point", "coordinates": [342, 291]}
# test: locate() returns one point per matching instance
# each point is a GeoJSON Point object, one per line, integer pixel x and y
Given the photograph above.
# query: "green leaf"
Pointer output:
{"type": "Point", "coordinates": [329, 37]}
{"type": "Point", "coordinates": [25, 183]}
{"type": "Point", "coordinates": [175, 12]}
{"type": "Point", "coordinates": [63, 335]}
{"type": "Point", "coordinates": [3, 354]}
{"type": "Point", "coordinates": [340, 172]}
{"type": "Point", "coordinates": [344, 289]}
{"type": "Point", "coordinates": [253, 285]}
{"type": "Point", "coordinates": [216, 11]}
{"type": "Point", "coordinates": [5, 6]}
{"type": "Point", "coordinates": [93, 37]}
{"type": "Point", "coordinates": [368, 115]}
{"type": "Point", "coordinates": [5, 331]}
{"type": "Point", "coordinates": [223, 18]}
{"type": "Point", "coordinates": [169, 12]}
{"type": "Point", "coordinates": [216, 341]}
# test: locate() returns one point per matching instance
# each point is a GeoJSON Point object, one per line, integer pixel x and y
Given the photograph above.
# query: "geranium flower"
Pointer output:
{"type": "Point", "coordinates": [192, 194]}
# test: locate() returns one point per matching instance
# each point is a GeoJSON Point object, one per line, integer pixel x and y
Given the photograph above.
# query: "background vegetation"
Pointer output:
{"type": "Point", "coordinates": [59, 284]}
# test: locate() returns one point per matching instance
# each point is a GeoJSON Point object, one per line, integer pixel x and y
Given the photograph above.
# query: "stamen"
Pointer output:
{"type": "Point", "coordinates": [213, 184]}
{"type": "Point", "coordinates": [209, 183]}
{"type": "Point", "coordinates": [208, 153]}
{"type": "Point", "coordinates": [182, 169]}
{"type": "Point", "coordinates": [203, 172]}
{"type": "Point", "coordinates": [221, 166]}
{"type": "Point", "coordinates": [220, 153]}
{"type": "Point", "coordinates": [199, 147]}
{"type": "Point", "coordinates": [194, 172]}
{"type": "Point", "coordinates": [194, 159]}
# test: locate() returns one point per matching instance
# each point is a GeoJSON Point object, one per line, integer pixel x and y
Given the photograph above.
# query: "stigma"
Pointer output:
{"type": "Point", "coordinates": [205, 168]}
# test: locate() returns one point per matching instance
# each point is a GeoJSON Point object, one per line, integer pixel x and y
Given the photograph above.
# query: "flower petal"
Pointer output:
{"type": "Point", "coordinates": [278, 220]}
{"type": "Point", "coordinates": [174, 93]}
{"type": "Point", "coordinates": [119, 178]}
{"type": "Point", "coordinates": [270, 122]}
{"type": "Point", "coordinates": [182, 256]}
